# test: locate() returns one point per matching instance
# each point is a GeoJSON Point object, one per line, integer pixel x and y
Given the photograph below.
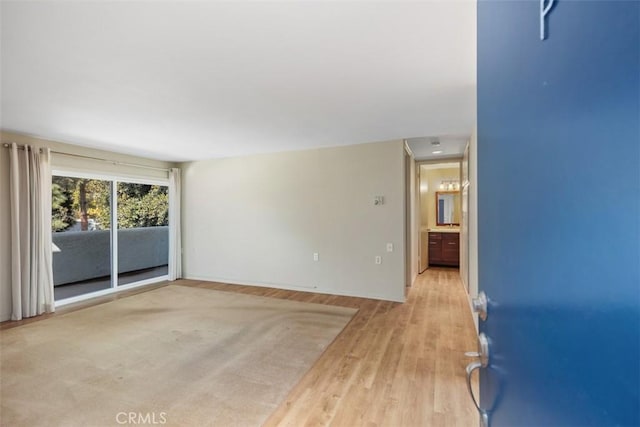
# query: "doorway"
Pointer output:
{"type": "Point", "coordinates": [440, 207]}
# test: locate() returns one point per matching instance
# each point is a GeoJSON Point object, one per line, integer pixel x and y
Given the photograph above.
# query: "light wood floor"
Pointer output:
{"type": "Point", "coordinates": [393, 365]}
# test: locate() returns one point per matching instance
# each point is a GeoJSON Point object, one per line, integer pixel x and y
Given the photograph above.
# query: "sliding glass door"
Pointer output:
{"type": "Point", "coordinates": [81, 222]}
{"type": "Point", "coordinates": [89, 257]}
{"type": "Point", "coordinates": [143, 232]}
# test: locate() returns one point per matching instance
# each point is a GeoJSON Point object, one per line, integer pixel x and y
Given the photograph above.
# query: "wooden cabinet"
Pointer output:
{"type": "Point", "coordinates": [444, 248]}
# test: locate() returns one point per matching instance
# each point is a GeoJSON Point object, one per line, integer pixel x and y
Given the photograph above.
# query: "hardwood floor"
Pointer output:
{"type": "Point", "coordinates": [393, 365]}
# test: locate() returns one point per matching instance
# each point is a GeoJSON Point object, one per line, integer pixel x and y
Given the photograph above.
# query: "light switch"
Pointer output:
{"type": "Point", "coordinates": [389, 247]}
{"type": "Point", "coordinates": [316, 256]}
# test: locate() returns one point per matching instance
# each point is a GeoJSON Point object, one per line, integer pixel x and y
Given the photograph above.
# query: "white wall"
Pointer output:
{"type": "Point", "coordinates": [258, 220]}
{"type": "Point", "coordinates": [58, 161]}
{"type": "Point", "coordinates": [430, 180]}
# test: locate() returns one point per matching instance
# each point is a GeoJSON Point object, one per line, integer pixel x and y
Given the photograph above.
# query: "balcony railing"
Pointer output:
{"type": "Point", "coordinates": [86, 255]}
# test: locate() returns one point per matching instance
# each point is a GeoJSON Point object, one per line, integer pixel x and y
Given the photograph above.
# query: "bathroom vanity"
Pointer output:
{"type": "Point", "coordinates": [444, 248]}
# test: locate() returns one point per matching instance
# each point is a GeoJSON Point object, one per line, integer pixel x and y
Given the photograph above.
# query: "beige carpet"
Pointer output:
{"type": "Point", "coordinates": [176, 356]}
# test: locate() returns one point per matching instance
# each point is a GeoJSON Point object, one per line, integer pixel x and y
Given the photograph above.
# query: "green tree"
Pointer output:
{"type": "Point", "coordinates": [80, 200]}
{"type": "Point", "coordinates": [98, 197]}
{"type": "Point", "coordinates": [142, 205]}
{"type": "Point", "coordinates": [62, 214]}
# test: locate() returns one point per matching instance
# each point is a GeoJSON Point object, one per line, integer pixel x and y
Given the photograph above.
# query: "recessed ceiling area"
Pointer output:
{"type": "Point", "coordinates": [182, 81]}
{"type": "Point", "coordinates": [443, 147]}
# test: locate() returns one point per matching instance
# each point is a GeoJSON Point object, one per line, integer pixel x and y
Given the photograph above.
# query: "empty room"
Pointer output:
{"type": "Point", "coordinates": [306, 213]}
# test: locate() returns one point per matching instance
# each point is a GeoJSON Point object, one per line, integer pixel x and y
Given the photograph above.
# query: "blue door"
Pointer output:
{"type": "Point", "coordinates": [558, 204]}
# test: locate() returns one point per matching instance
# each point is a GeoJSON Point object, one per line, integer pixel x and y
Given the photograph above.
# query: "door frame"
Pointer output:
{"type": "Point", "coordinates": [412, 257]}
{"type": "Point", "coordinates": [419, 163]}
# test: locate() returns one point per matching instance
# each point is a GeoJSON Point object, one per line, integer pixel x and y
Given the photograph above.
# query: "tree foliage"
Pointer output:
{"type": "Point", "coordinates": [139, 205]}
{"type": "Point", "coordinates": [62, 216]}
{"type": "Point", "coordinates": [142, 205]}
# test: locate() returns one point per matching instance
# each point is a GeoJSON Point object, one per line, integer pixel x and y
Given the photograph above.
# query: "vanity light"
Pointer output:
{"type": "Point", "coordinates": [450, 185]}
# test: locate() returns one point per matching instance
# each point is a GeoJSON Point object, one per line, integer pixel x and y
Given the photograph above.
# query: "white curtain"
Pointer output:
{"type": "Point", "coordinates": [31, 269]}
{"type": "Point", "coordinates": [175, 245]}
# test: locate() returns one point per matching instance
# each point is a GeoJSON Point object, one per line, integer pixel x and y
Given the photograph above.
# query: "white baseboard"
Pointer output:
{"type": "Point", "coordinates": [289, 287]}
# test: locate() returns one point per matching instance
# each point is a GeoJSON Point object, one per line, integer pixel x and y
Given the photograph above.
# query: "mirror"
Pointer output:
{"type": "Point", "coordinates": [448, 207]}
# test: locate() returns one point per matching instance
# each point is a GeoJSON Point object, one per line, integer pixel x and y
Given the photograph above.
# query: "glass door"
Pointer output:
{"type": "Point", "coordinates": [143, 232]}
{"type": "Point", "coordinates": [81, 224]}
{"type": "Point", "coordinates": [88, 257]}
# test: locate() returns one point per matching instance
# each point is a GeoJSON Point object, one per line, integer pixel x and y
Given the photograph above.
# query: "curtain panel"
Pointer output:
{"type": "Point", "coordinates": [175, 244]}
{"type": "Point", "coordinates": [30, 206]}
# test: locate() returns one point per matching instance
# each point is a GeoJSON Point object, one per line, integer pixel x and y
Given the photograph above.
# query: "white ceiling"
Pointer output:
{"type": "Point", "coordinates": [447, 147]}
{"type": "Point", "coordinates": [191, 80]}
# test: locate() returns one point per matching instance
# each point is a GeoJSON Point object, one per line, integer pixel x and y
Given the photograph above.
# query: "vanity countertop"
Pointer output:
{"type": "Point", "coordinates": [442, 230]}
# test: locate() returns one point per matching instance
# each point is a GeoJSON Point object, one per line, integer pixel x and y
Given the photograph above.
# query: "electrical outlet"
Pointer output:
{"type": "Point", "coordinates": [316, 256]}
{"type": "Point", "coordinates": [389, 247]}
{"type": "Point", "coordinates": [378, 259]}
